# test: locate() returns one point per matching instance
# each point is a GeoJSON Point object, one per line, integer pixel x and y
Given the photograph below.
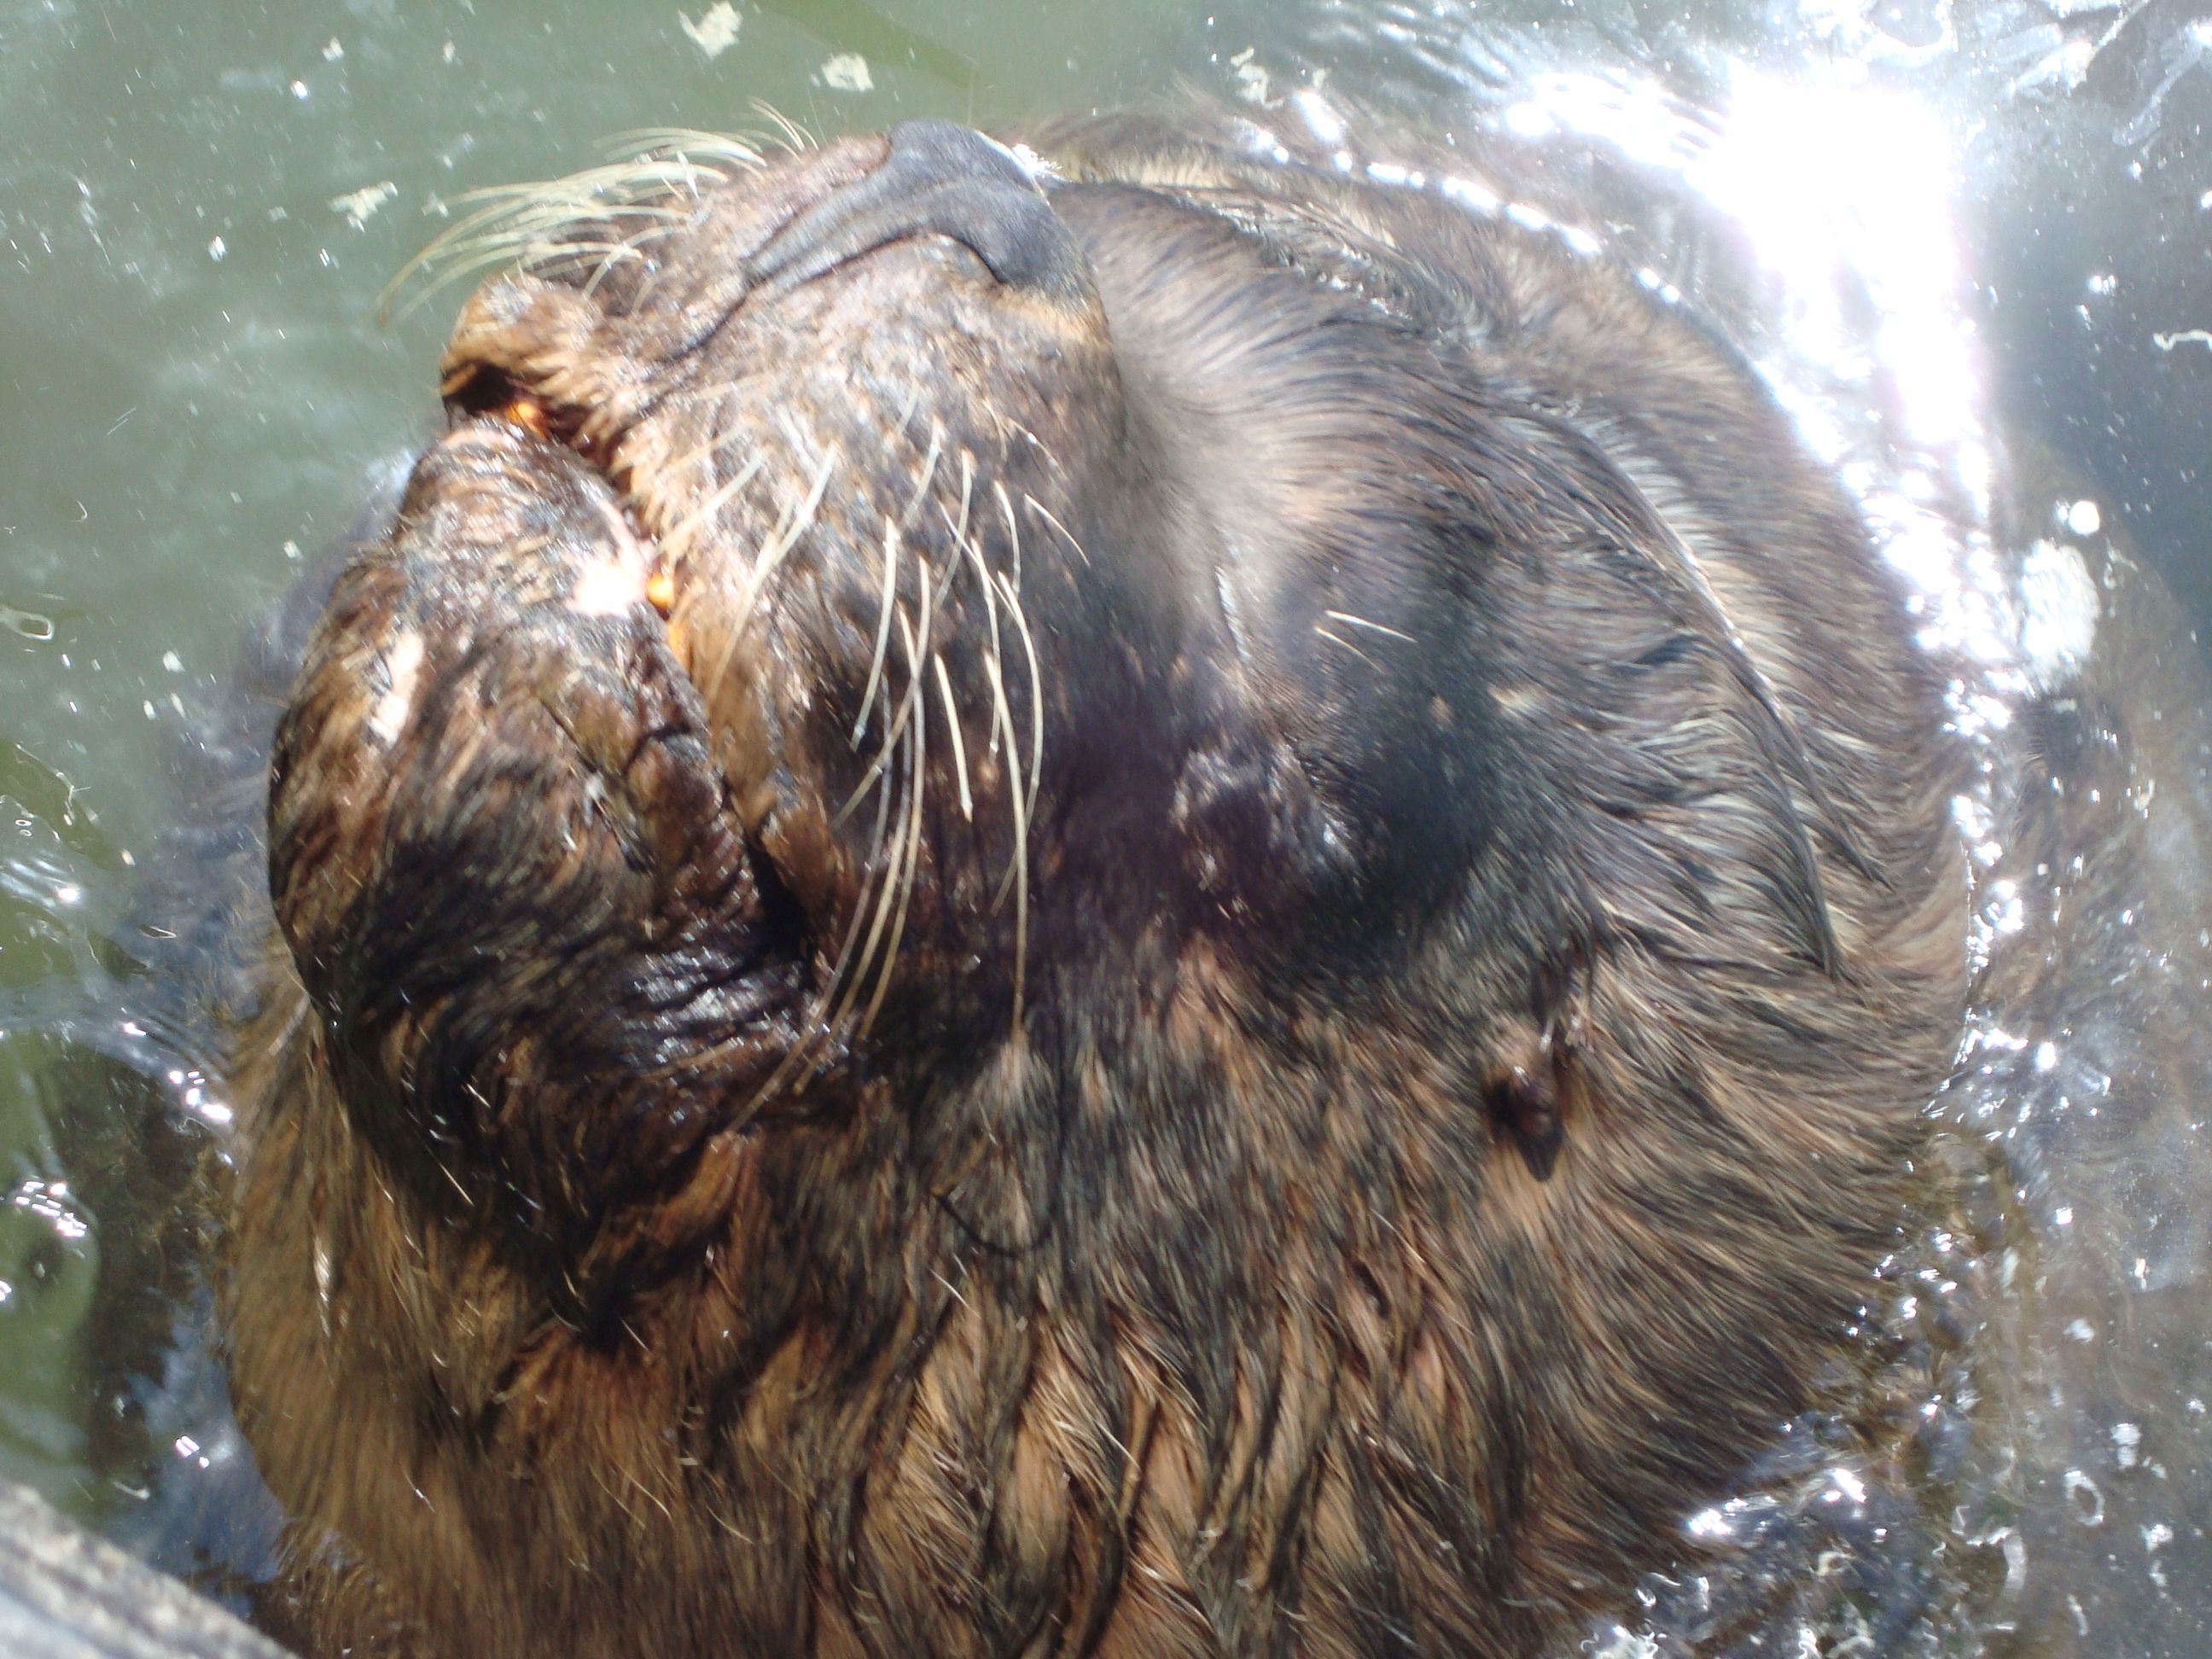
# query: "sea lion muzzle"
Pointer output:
{"type": "Point", "coordinates": [519, 828]}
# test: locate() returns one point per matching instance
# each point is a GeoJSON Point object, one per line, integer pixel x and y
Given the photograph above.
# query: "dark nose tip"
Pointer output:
{"type": "Point", "coordinates": [939, 179]}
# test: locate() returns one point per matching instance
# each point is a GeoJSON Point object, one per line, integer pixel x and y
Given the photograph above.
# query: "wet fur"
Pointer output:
{"type": "Point", "coordinates": [1330, 873]}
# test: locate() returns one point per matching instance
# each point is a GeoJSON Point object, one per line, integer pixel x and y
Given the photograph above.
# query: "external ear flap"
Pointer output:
{"type": "Point", "coordinates": [1526, 1090]}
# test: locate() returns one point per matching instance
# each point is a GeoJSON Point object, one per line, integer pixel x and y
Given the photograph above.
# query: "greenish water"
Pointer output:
{"type": "Point", "coordinates": [200, 207]}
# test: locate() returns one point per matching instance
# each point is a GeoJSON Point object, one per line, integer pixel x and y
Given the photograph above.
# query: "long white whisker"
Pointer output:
{"type": "Point", "coordinates": [932, 592]}
{"type": "Point", "coordinates": [915, 736]}
{"type": "Point", "coordinates": [997, 662]}
{"type": "Point", "coordinates": [1337, 639]}
{"type": "Point", "coordinates": [902, 843]}
{"type": "Point", "coordinates": [795, 136]}
{"type": "Point", "coordinates": [837, 985]}
{"type": "Point", "coordinates": [1037, 686]}
{"type": "Point", "coordinates": [1361, 621]}
{"type": "Point", "coordinates": [922, 478]}
{"type": "Point", "coordinates": [764, 564]}
{"type": "Point", "coordinates": [1045, 513]}
{"type": "Point", "coordinates": [692, 459]}
{"type": "Point", "coordinates": [769, 556]}
{"type": "Point", "coordinates": [883, 628]}
{"type": "Point", "coordinates": [1013, 528]}
{"type": "Point", "coordinates": [686, 144]}
{"type": "Point", "coordinates": [967, 492]}
{"type": "Point", "coordinates": [675, 545]}
{"type": "Point", "coordinates": [524, 223]}
{"type": "Point", "coordinates": [959, 743]}
{"type": "Point", "coordinates": [1018, 871]}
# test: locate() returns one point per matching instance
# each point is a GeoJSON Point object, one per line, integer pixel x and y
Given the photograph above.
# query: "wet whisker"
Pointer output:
{"type": "Point", "coordinates": [883, 628]}
{"type": "Point", "coordinates": [952, 726]}
{"type": "Point", "coordinates": [910, 866]}
{"type": "Point", "coordinates": [795, 525]}
{"type": "Point", "coordinates": [676, 543]}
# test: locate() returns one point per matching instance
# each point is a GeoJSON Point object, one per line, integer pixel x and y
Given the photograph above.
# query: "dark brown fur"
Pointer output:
{"type": "Point", "coordinates": [1363, 1080]}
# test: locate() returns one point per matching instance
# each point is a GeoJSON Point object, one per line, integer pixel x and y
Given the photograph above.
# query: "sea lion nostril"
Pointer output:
{"type": "Point", "coordinates": [939, 179]}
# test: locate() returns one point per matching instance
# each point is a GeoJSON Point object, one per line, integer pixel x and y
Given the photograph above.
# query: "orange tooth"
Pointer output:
{"type": "Point", "coordinates": [527, 413]}
{"type": "Point", "coordinates": [660, 590]}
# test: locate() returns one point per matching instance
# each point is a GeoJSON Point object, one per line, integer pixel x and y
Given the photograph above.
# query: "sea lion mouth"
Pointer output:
{"type": "Point", "coordinates": [514, 881]}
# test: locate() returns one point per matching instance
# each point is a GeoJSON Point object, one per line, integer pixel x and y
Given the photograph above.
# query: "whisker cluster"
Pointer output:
{"type": "Point", "coordinates": [908, 642]}
{"type": "Point", "coordinates": [602, 217]}
{"type": "Point", "coordinates": [896, 774]}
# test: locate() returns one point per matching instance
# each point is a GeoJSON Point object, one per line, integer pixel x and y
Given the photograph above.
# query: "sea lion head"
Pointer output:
{"type": "Point", "coordinates": [1021, 645]}
{"type": "Point", "coordinates": [1150, 799]}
